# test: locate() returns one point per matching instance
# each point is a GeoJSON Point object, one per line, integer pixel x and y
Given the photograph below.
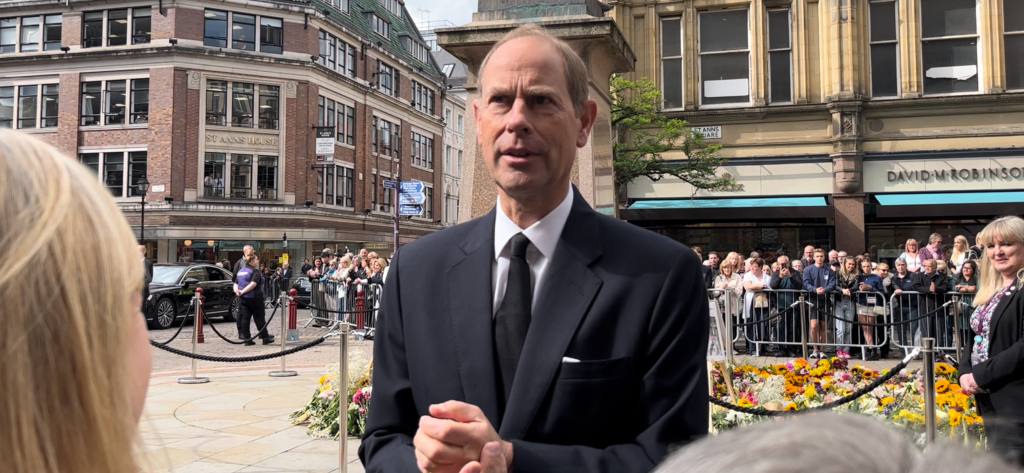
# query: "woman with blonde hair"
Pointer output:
{"type": "Point", "coordinates": [75, 350]}
{"type": "Point", "coordinates": [958, 255]}
{"type": "Point", "coordinates": [912, 256]}
{"type": "Point", "coordinates": [991, 370]}
{"type": "Point", "coordinates": [734, 259]}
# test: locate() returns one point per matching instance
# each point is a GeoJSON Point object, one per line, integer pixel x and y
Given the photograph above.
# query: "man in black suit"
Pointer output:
{"type": "Point", "coordinates": [147, 275]}
{"type": "Point", "coordinates": [537, 340]}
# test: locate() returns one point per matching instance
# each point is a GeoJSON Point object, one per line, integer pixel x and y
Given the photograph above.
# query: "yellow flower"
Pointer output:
{"type": "Point", "coordinates": [744, 402]}
{"type": "Point", "coordinates": [322, 378]}
{"type": "Point", "coordinates": [809, 391]}
{"type": "Point", "coordinates": [887, 400]}
{"type": "Point", "coordinates": [868, 374]}
{"type": "Point", "coordinates": [823, 363]}
{"type": "Point", "coordinates": [799, 363]}
{"type": "Point", "coordinates": [941, 386]}
{"type": "Point", "coordinates": [954, 417]}
{"type": "Point", "coordinates": [943, 368]}
{"type": "Point", "coordinates": [953, 387]}
{"type": "Point", "coordinates": [790, 406]}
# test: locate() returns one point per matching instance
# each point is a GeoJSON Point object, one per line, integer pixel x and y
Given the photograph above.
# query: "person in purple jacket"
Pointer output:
{"type": "Point", "coordinates": [249, 289]}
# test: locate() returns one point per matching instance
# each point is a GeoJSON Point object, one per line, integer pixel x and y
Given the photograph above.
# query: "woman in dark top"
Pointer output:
{"type": "Point", "coordinates": [991, 370]}
{"type": "Point", "coordinates": [376, 271]}
{"type": "Point", "coordinates": [358, 273]}
{"type": "Point", "coordinates": [965, 283]}
{"type": "Point", "coordinates": [318, 269]}
{"type": "Point", "coordinates": [904, 306]}
{"type": "Point", "coordinates": [249, 289]}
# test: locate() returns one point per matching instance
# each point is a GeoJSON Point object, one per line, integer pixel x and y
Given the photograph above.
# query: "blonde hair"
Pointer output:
{"type": "Point", "coordinates": [842, 268]}
{"type": "Point", "coordinates": [383, 263]}
{"type": "Point", "coordinates": [1007, 229]}
{"type": "Point", "coordinates": [955, 254]}
{"type": "Point", "coordinates": [738, 267]}
{"type": "Point", "coordinates": [576, 76]}
{"type": "Point", "coordinates": [909, 241]}
{"type": "Point", "coordinates": [65, 376]}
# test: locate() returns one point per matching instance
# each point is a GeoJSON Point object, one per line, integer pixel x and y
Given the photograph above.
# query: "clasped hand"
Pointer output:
{"type": "Point", "coordinates": [968, 384]}
{"type": "Point", "coordinates": [457, 438]}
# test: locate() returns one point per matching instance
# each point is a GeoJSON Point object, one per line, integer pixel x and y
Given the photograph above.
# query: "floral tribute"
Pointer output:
{"type": "Point", "coordinates": [799, 385]}
{"type": "Point", "coordinates": [321, 412]}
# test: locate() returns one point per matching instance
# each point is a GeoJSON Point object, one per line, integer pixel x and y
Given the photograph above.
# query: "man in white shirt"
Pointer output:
{"type": "Point", "coordinates": [510, 339]}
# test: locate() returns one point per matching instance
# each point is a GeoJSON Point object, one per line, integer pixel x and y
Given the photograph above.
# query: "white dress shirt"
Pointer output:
{"type": "Point", "coordinates": [543, 235]}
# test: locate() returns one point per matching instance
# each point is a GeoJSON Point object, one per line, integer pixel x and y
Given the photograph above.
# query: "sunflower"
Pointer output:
{"type": "Point", "coordinates": [887, 400]}
{"type": "Point", "coordinates": [744, 402]}
{"type": "Point", "coordinates": [941, 386]}
{"type": "Point", "coordinates": [869, 374]}
{"type": "Point", "coordinates": [954, 418]}
{"type": "Point", "coordinates": [809, 391]}
{"type": "Point", "coordinates": [799, 363]}
{"type": "Point", "coordinates": [790, 406]}
{"type": "Point", "coordinates": [322, 378]}
{"type": "Point", "coordinates": [943, 368]}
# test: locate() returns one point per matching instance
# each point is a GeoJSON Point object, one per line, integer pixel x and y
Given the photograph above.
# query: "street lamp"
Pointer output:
{"type": "Point", "coordinates": [143, 186]}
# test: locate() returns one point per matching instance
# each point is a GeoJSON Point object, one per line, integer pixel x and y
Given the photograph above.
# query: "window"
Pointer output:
{"type": "Point", "coordinates": [344, 194]}
{"type": "Point", "coordinates": [417, 50]}
{"type": "Point", "coordinates": [885, 77]}
{"type": "Point", "coordinates": [213, 172]}
{"type": "Point", "coordinates": [724, 57]}
{"type": "Point", "coordinates": [271, 35]}
{"type": "Point", "coordinates": [779, 57]}
{"type": "Point", "coordinates": [428, 204]}
{"type": "Point", "coordinates": [337, 54]}
{"type": "Point", "coordinates": [1013, 40]}
{"type": "Point", "coordinates": [392, 6]}
{"type": "Point", "coordinates": [28, 99]}
{"type": "Point", "coordinates": [215, 29]}
{"type": "Point", "coordinates": [339, 190]}
{"type": "Point", "coordinates": [672, 62]}
{"type": "Point", "coordinates": [8, 35]}
{"type": "Point", "coordinates": [269, 96]}
{"type": "Point", "coordinates": [460, 123]}
{"type": "Point", "coordinates": [385, 197]}
{"type": "Point", "coordinates": [346, 59]}
{"type": "Point", "coordinates": [340, 4]}
{"type": "Point", "coordinates": [114, 27]}
{"type": "Point", "coordinates": [387, 79]}
{"type": "Point", "coordinates": [241, 104]}
{"type": "Point", "coordinates": [447, 69]}
{"type": "Point", "coordinates": [325, 111]}
{"type": "Point", "coordinates": [216, 102]}
{"type": "Point", "coordinates": [422, 151]}
{"type": "Point", "coordinates": [266, 178]}
{"type": "Point", "coordinates": [346, 132]}
{"type": "Point", "coordinates": [949, 46]}
{"type": "Point", "coordinates": [142, 25]}
{"type": "Point", "coordinates": [52, 32]}
{"type": "Point", "coordinates": [458, 169]}
{"type": "Point", "coordinates": [422, 98]}
{"type": "Point", "coordinates": [241, 176]}
{"type": "Point", "coordinates": [448, 159]}
{"type": "Point", "coordinates": [243, 32]}
{"type": "Point", "coordinates": [50, 108]}
{"type": "Point", "coordinates": [7, 107]}
{"type": "Point", "coordinates": [378, 24]}
{"type": "Point", "coordinates": [117, 170]}
{"type": "Point", "coordinates": [384, 145]}
{"type": "Point", "coordinates": [30, 33]}
{"type": "Point", "coordinates": [448, 118]}
{"type": "Point", "coordinates": [327, 50]}
{"type": "Point", "coordinates": [109, 102]}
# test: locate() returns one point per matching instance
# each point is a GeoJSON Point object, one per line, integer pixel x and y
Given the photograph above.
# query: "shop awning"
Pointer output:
{"type": "Point", "coordinates": [750, 208]}
{"type": "Point", "coordinates": [949, 204]}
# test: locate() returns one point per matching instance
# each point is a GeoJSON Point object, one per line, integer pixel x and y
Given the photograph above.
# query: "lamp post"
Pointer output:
{"type": "Point", "coordinates": [143, 186]}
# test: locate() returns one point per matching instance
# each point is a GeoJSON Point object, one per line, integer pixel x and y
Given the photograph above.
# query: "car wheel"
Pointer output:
{"type": "Point", "coordinates": [165, 314]}
{"type": "Point", "coordinates": [229, 316]}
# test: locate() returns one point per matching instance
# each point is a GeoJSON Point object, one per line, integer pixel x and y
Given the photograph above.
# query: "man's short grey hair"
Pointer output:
{"type": "Point", "coordinates": [782, 259]}
{"type": "Point", "coordinates": [810, 443]}
{"type": "Point", "coordinates": [247, 247]}
{"type": "Point", "coordinates": [576, 77]}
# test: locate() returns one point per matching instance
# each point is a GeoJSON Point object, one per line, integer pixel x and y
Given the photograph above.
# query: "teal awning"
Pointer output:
{"type": "Point", "coordinates": [938, 198]}
{"type": "Point", "coordinates": [750, 202]}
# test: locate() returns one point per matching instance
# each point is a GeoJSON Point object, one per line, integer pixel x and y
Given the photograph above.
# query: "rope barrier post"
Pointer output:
{"type": "Point", "coordinates": [283, 372]}
{"type": "Point", "coordinates": [730, 344]}
{"type": "Point", "coordinates": [803, 325]}
{"type": "Point", "coordinates": [293, 315]}
{"type": "Point", "coordinates": [928, 345]}
{"type": "Point", "coordinates": [199, 315]}
{"type": "Point", "coordinates": [343, 392]}
{"type": "Point", "coordinates": [956, 326]}
{"type": "Point", "coordinates": [196, 331]}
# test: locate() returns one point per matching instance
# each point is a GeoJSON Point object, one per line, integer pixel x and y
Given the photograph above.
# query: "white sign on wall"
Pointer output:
{"type": "Point", "coordinates": [710, 132]}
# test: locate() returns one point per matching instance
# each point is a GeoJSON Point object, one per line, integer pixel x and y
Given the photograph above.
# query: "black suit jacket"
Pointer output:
{"type": "Point", "coordinates": [640, 332]}
{"type": "Point", "coordinates": [1003, 373]}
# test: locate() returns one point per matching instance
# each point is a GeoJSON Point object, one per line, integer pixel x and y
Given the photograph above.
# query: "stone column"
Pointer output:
{"type": "Point", "coordinates": [600, 44]}
{"type": "Point", "coordinates": [847, 170]}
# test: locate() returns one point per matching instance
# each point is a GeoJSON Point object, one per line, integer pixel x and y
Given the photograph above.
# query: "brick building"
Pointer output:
{"type": "Point", "coordinates": [216, 104]}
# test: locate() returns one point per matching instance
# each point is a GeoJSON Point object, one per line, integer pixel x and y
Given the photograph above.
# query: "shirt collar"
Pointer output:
{"type": "Point", "coordinates": [544, 233]}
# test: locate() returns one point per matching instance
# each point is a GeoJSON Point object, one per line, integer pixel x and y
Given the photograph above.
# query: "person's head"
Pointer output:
{"type": "Point", "coordinates": [333, 264]}
{"type": "Point", "coordinates": [363, 253]}
{"type": "Point", "coordinates": [867, 255]}
{"type": "Point", "coordinates": [911, 246]}
{"type": "Point", "coordinates": [726, 268]}
{"type": "Point", "coordinates": [934, 240]}
{"type": "Point", "coordinates": [713, 259]}
{"type": "Point", "coordinates": [532, 114]}
{"type": "Point", "coordinates": [865, 266]}
{"type": "Point", "coordinates": [940, 266]}
{"type": "Point", "coordinates": [700, 253]}
{"type": "Point", "coordinates": [842, 255]}
{"type": "Point", "coordinates": [142, 250]}
{"type": "Point", "coordinates": [357, 262]}
{"type": "Point", "coordinates": [970, 268]}
{"type": "Point", "coordinates": [76, 360]}
{"type": "Point", "coordinates": [378, 265]}
{"type": "Point", "coordinates": [775, 266]}
{"type": "Point", "coordinates": [783, 261]}
{"type": "Point", "coordinates": [901, 266]}
{"type": "Point", "coordinates": [372, 255]}
{"type": "Point", "coordinates": [882, 269]}
{"type": "Point", "coordinates": [848, 265]}
{"type": "Point", "coordinates": [326, 252]}
{"type": "Point", "coordinates": [733, 258]}
{"type": "Point", "coordinates": [345, 262]}
{"type": "Point", "coordinates": [318, 261]}
{"type": "Point", "coordinates": [755, 254]}
{"type": "Point", "coordinates": [285, 265]}
{"type": "Point", "coordinates": [756, 264]}
{"type": "Point", "coordinates": [929, 266]}
{"type": "Point", "coordinates": [960, 244]}
{"type": "Point", "coordinates": [819, 257]}
{"type": "Point", "coordinates": [247, 250]}
{"type": "Point", "coordinates": [305, 261]}
{"type": "Point", "coordinates": [798, 265]}
{"type": "Point", "coordinates": [252, 260]}
{"type": "Point", "coordinates": [833, 255]}
{"type": "Point", "coordinates": [1003, 241]}
{"type": "Point", "coordinates": [809, 251]}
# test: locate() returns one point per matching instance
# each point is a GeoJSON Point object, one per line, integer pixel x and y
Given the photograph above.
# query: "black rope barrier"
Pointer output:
{"type": "Point", "coordinates": [266, 325]}
{"type": "Point", "coordinates": [764, 320]}
{"type": "Point", "coordinates": [758, 411]}
{"type": "Point", "coordinates": [191, 305]}
{"type": "Point", "coordinates": [880, 324]}
{"type": "Point", "coordinates": [242, 359]}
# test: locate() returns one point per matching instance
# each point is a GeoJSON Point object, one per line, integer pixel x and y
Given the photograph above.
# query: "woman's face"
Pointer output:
{"type": "Point", "coordinates": [849, 265]}
{"type": "Point", "coordinates": [901, 267]}
{"type": "Point", "coordinates": [140, 359]}
{"type": "Point", "coordinates": [960, 245]}
{"type": "Point", "coordinates": [727, 270]}
{"type": "Point", "coordinates": [376, 267]}
{"type": "Point", "coordinates": [968, 270]}
{"type": "Point", "coordinates": [865, 268]}
{"type": "Point", "coordinates": [1007, 258]}
{"type": "Point", "coordinates": [912, 247]}
{"type": "Point", "coordinates": [755, 268]}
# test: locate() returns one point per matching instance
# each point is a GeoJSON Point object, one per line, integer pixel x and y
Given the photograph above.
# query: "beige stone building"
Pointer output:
{"type": "Point", "coordinates": [851, 124]}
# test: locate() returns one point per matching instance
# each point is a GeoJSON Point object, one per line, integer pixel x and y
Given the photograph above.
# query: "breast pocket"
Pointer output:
{"type": "Point", "coordinates": [597, 369]}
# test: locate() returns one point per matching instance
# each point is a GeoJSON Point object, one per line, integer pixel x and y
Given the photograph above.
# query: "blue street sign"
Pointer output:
{"type": "Point", "coordinates": [390, 184]}
{"type": "Point", "coordinates": [404, 209]}
{"type": "Point", "coordinates": [412, 198]}
{"type": "Point", "coordinates": [412, 186]}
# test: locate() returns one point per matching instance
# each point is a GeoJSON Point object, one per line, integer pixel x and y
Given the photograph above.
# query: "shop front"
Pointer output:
{"type": "Point", "coordinates": [271, 253]}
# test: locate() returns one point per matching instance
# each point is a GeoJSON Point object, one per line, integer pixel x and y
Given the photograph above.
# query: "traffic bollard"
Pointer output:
{"type": "Point", "coordinates": [199, 316]}
{"type": "Point", "coordinates": [196, 299]}
{"type": "Point", "coordinates": [928, 348]}
{"type": "Point", "coordinates": [283, 372]}
{"type": "Point", "coordinates": [293, 316]}
{"type": "Point", "coordinates": [360, 306]}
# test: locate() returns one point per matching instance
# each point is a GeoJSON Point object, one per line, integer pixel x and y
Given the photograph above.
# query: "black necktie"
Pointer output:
{"type": "Point", "coordinates": [513, 318]}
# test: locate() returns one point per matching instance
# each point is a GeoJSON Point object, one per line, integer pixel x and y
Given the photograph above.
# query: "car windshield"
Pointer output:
{"type": "Point", "coordinates": [167, 274]}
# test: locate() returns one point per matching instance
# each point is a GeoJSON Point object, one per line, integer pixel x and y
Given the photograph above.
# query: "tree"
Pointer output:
{"type": "Point", "coordinates": [642, 134]}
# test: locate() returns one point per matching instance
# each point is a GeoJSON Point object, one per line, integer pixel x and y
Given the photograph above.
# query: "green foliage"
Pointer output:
{"type": "Point", "coordinates": [642, 135]}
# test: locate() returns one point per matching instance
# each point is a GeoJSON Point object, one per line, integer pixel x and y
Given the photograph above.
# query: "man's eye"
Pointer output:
{"type": "Point", "coordinates": [497, 99]}
{"type": "Point", "coordinates": [541, 100]}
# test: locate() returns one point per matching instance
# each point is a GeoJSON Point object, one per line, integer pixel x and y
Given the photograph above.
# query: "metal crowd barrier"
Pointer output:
{"type": "Point", "coordinates": [944, 317]}
{"type": "Point", "coordinates": [334, 302]}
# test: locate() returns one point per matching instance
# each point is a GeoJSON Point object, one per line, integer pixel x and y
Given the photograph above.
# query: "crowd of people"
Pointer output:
{"type": "Point", "coordinates": [847, 296]}
{"type": "Point", "coordinates": [349, 268]}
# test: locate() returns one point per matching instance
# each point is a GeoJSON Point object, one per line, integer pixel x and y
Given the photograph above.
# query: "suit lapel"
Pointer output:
{"type": "Point", "coordinates": [569, 288]}
{"type": "Point", "coordinates": [1002, 308]}
{"type": "Point", "coordinates": [470, 297]}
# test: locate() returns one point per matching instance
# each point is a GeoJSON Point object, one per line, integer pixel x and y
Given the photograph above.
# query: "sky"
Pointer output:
{"type": "Point", "coordinates": [458, 12]}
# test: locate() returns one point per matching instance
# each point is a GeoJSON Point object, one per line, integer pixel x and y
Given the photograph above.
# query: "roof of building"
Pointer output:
{"type": "Point", "coordinates": [355, 20]}
{"type": "Point", "coordinates": [457, 76]}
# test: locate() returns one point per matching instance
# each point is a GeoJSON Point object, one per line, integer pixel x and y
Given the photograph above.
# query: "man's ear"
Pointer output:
{"type": "Point", "coordinates": [588, 113]}
{"type": "Point", "coordinates": [476, 120]}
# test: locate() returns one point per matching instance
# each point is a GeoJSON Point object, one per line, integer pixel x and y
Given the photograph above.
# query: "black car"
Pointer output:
{"type": "Point", "coordinates": [302, 288]}
{"type": "Point", "coordinates": [174, 285]}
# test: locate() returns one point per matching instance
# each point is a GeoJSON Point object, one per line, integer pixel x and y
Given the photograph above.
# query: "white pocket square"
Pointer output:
{"type": "Point", "coordinates": [566, 359]}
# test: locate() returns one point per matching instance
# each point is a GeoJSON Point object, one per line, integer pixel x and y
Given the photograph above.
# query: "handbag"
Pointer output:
{"type": "Point", "coordinates": [760, 300]}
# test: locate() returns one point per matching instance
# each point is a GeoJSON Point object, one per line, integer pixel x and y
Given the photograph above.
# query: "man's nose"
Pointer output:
{"type": "Point", "coordinates": [518, 119]}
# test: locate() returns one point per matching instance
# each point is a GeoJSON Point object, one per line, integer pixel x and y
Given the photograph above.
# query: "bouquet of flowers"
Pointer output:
{"type": "Point", "coordinates": [798, 385]}
{"type": "Point", "coordinates": [323, 408]}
